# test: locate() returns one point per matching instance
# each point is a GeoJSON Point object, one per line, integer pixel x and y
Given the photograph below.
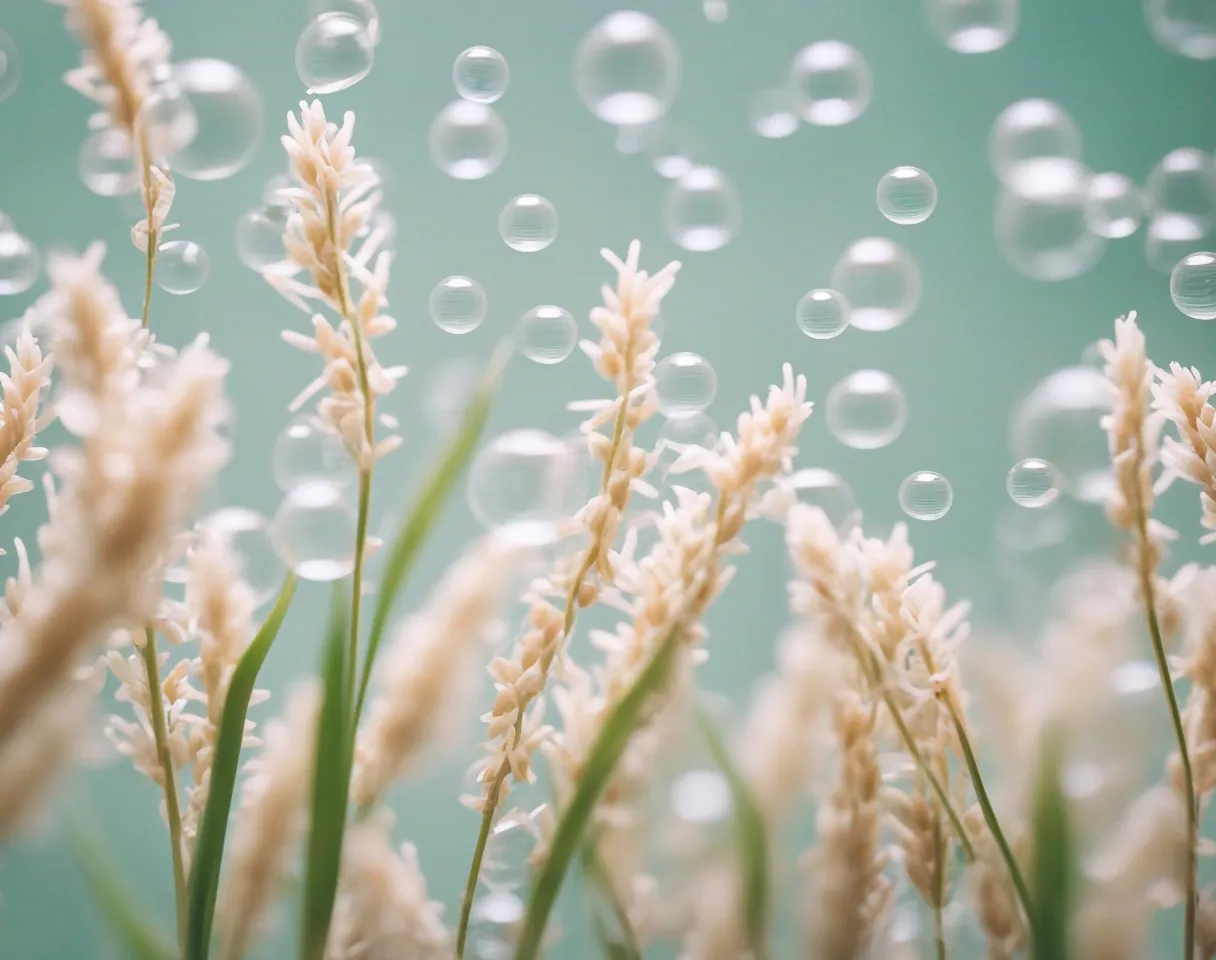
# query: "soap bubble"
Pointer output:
{"type": "Point", "coordinates": [313, 532]}
{"type": "Point", "coordinates": [362, 10]}
{"type": "Point", "coordinates": [259, 241]}
{"type": "Point", "coordinates": [1114, 207]}
{"type": "Point", "coordinates": [1186, 27]}
{"type": "Point", "coordinates": [880, 281]}
{"type": "Point", "coordinates": [974, 26]}
{"type": "Point", "coordinates": [772, 114]}
{"type": "Point", "coordinates": [1033, 482]}
{"type": "Point", "coordinates": [1033, 129]}
{"type": "Point", "coordinates": [823, 314]}
{"type": "Point", "coordinates": [481, 74]}
{"type": "Point", "coordinates": [334, 52]}
{"type": "Point", "coordinates": [866, 410]}
{"type": "Point", "coordinates": [627, 69]}
{"type": "Point", "coordinates": [907, 195]}
{"type": "Point", "coordinates": [547, 334]}
{"type": "Point", "coordinates": [702, 210]}
{"type": "Point", "coordinates": [228, 113]}
{"type": "Point", "coordinates": [106, 163]}
{"type": "Point", "coordinates": [20, 263]}
{"type": "Point", "coordinates": [925, 495]}
{"type": "Point", "coordinates": [528, 223]}
{"type": "Point", "coordinates": [529, 478]}
{"type": "Point", "coordinates": [458, 304]}
{"type": "Point", "coordinates": [182, 266]}
{"type": "Point", "coordinates": [467, 140]}
{"type": "Point", "coordinates": [1193, 285]}
{"type": "Point", "coordinates": [686, 384]}
{"type": "Point", "coordinates": [831, 83]}
{"type": "Point", "coordinates": [1042, 221]}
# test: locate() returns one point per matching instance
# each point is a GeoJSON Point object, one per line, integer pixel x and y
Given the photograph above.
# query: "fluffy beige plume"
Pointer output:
{"type": "Point", "coordinates": [1183, 397]}
{"type": "Point", "coordinates": [146, 450]}
{"type": "Point", "coordinates": [426, 663]}
{"type": "Point", "coordinates": [332, 201]}
{"type": "Point", "coordinates": [271, 818]}
{"type": "Point", "coordinates": [848, 890]}
{"type": "Point", "coordinates": [992, 893]}
{"type": "Point", "coordinates": [383, 911]}
{"type": "Point", "coordinates": [625, 357]}
{"type": "Point", "coordinates": [28, 377]}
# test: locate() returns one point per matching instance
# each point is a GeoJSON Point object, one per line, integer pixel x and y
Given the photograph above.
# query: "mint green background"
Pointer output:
{"type": "Point", "coordinates": [981, 339]}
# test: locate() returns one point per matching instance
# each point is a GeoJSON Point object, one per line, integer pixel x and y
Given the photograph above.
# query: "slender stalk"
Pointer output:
{"type": "Point", "coordinates": [941, 846]}
{"type": "Point", "coordinates": [141, 141]}
{"type": "Point", "coordinates": [990, 818]}
{"type": "Point", "coordinates": [1171, 698]}
{"type": "Point", "coordinates": [161, 734]}
{"type": "Point", "coordinates": [149, 272]}
{"type": "Point", "coordinates": [470, 887]}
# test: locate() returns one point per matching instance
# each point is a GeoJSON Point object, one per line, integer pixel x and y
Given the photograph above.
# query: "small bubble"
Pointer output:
{"type": "Point", "coordinates": [10, 66]}
{"type": "Point", "coordinates": [880, 282]}
{"type": "Point", "coordinates": [772, 114]}
{"type": "Point", "coordinates": [510, 844]}
{"type": "Point", "coordinates": [481, 74]}
{"type": "Point", "coordinates": [106, 163]}
{"type": "Point", "coordinates": [686, 384]}
{"type": "Point", "coordinates": [1032, 483]}
{"type": "Point", "coordinates": [526, 477]}
{"type": "Point", "coordinates": [467, 140]}
{"type": "Point", "coordinates": [362, 10]}
{"type": "Point", "coordinates": [1033, 129]}
{"type": "Point", "coordinates": [458, 304]}
{"type": "Point", "coordinates": [1193, 285]}
{"type": "Point", "coordinates": [19, 263]}
{"type": "Point", "coordinates": [1183, 184]}
{"type": "Point", "coordinates": [182, 266]}
{"type": "Point", "coordinates": [925, 495]}
{"type": "Point", "coordinates": [313, 532]}
{"type": "Point", "coordinates": [493, 925]}
{"type": "Point", "coordinates": [680, 433]}
{"type": "Point", "coordinates": [1170, 237]}
{"type": "Point", "coordinates": [246, 532]}
{"type": "Point", "coordinates": [826, 490]}
{"type": "Point", "coordinates": [907, 195]}
{"type": "Point", "coordinates": [866, 410]}
{"type": "Point", "coordinates": [1186, 27]}
{"type": "Point", "coordinates": [716, 11]}
{"type": "Point", "coordinates": [831, 83]}
{"type": "Point", "coordinates": [669, 150]}
{"type": "Point", "coordinates": [259, 241]}
{"type": "Point", "coordinates": [334, 52]}
{"type": "Point", "coordinates": [702, 210]}
{"type": "Point", "coordinates": [528, 223]}
{"type": "Point", "coordinates": [228, 113]}
{"type": "Point", "coordinates": [627, 69]}
{"type": "Point", "coordinates": [167, 119]}
{"type": "Point", "coordinates": [974, 26]}
{"type": "Point", "coordinates": [1114, 206]}
{"type": "Point", "coordinates": [309, 452]}
{"type": "Point", "coordinates": [1042, 221]}
{"type": "Point", "coordinates": [823, 314]}
{"type": "Point", "coordinates": [547, 334]}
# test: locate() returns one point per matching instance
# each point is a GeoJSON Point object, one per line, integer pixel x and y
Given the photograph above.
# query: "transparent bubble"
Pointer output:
{"type": "Point", "coordinates": [494, 920]}
{"type": "Point", "coordinates": [1170, 237]}
{"type": "Point", "coordinates": [259, 241]}
{"type": "Point", "coordinates": [831, 83]}
{"type": "Point", "coordinates": [702, 210]}
{"type": "Point", "coordinates": [309, 452]}
{"type": "Point", "coordinates": [313, 531]}
{"type": "Point", "coordinates": [273, 192]}
{"type": "Point", "coordinates": [974, 26]}
{"type": "Point", "coordinates": [1032, 482]}
{"type": "Point", "coordinates": [1114, 206]}
{"type": "Point", "coordinates": [686, 384]}
{"type": "Point", "coordinates": [716, 11]}
{"type": "Point", "coordinates": [1060, 422]}
{"type": "Point", "coordinates": [458, 304]}
{"type": "Point", "coordinates": [627, 69]}
{"type": "Point", "coordinates": [247, 534]}
{"type": "Point", "coordinates": [772, 114]}
{"type": "Point", "coordinates": [1186, 27]}
{"type": "Point", "coordinates": [167, 119]}
{"type": "Point", "coordinates": [880, 281]}
{"type": "Point", "coordinates": [547, 334]}
{"type": "Point", "coordinates": [182, 266]}
{"type": "Point", "coordinates": [363, 10]}
{"type": "Point", "coordinates": [449, 390]}
{"type": "Point", "coordinates": [19, 263]}
{"type": "Point", "coordinates": [907, 195]}
{"type": "Point", "coordinates": [866, 410]}
{"type": "Point", "coordinates": [526, 477]}
{"type": "Point", "coordinates": [467, 140]}
{"type": "Point", "coordinates": [334, 52]}
{"type": "Point", "coordinates": [670, 151]}
{"type": "Point", "coordinates": [106, 163]}
{"type": "Point", "coordinates": [680, 433]}
{"type": "Point", "coordinates": [1034, 129]}
{"type": "Point", "coordinates": [701, 797]}
{"type": "Point", "coordinates": [481, 74]}
{"type": "Point", "coordinates": [528, 223]}
{"type": "Point", "coordinates": [826, 490]}
{"type": "Point", "coordinates": [822, 314]}
{"type": "Point", "coordinates": [1042, 221]}
{"type": "Point", "coordinates": [228, 112]}
{"type": "Point", "coordinates": [10, 66]}
{"type": "Point", "coordinates": [1183, 184]}
{"type": "Point", "coordinates": [925, 495]}
{"type": "Point", "coordinates": [1193, 286]}
{"type": "Point", "coordinates": [511, 842]}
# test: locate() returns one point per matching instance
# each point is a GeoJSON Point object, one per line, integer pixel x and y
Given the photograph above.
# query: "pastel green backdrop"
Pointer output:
{"type": "Point", "coordinates": [982, 337]}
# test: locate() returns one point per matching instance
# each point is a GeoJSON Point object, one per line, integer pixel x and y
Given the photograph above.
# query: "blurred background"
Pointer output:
{"type": "Point", "coordinates": [984, 333]}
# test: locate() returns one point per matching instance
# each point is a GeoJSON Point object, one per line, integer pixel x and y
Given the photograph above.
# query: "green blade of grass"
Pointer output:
{"type": "Point", "coordinates": [140, 939]}
{"type": "Point", "coordinates": [605, 752]}
{"type": "Point", "coordinates": [413, 533]}
{"type": "Point", "coordinates": [330, 788]}
{"type": "Point", "coordinates": [209, 846]}
{"type": "Point", "coordinates": [751, 840]}
{"type": "Point", "coordinates": [1054, 876]}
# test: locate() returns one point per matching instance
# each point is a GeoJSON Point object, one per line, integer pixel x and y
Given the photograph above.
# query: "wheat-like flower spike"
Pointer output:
{"type": "Point", "coordinates": [1183, 397]}
{"type": "Point", "coordinates": [21, 417]}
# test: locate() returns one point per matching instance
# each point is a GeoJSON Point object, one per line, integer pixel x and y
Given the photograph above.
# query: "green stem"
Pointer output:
{"type": "Point", "coordinates": [160, 732]}
{"type": "Point", "coordinates": [483, 836]}
{"type": "Point", "coordinates": [941, 847]}
{"type": "Point", "coordinates": [352, 667]}
{"type": "Point", "coordinates": [990, 818]}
